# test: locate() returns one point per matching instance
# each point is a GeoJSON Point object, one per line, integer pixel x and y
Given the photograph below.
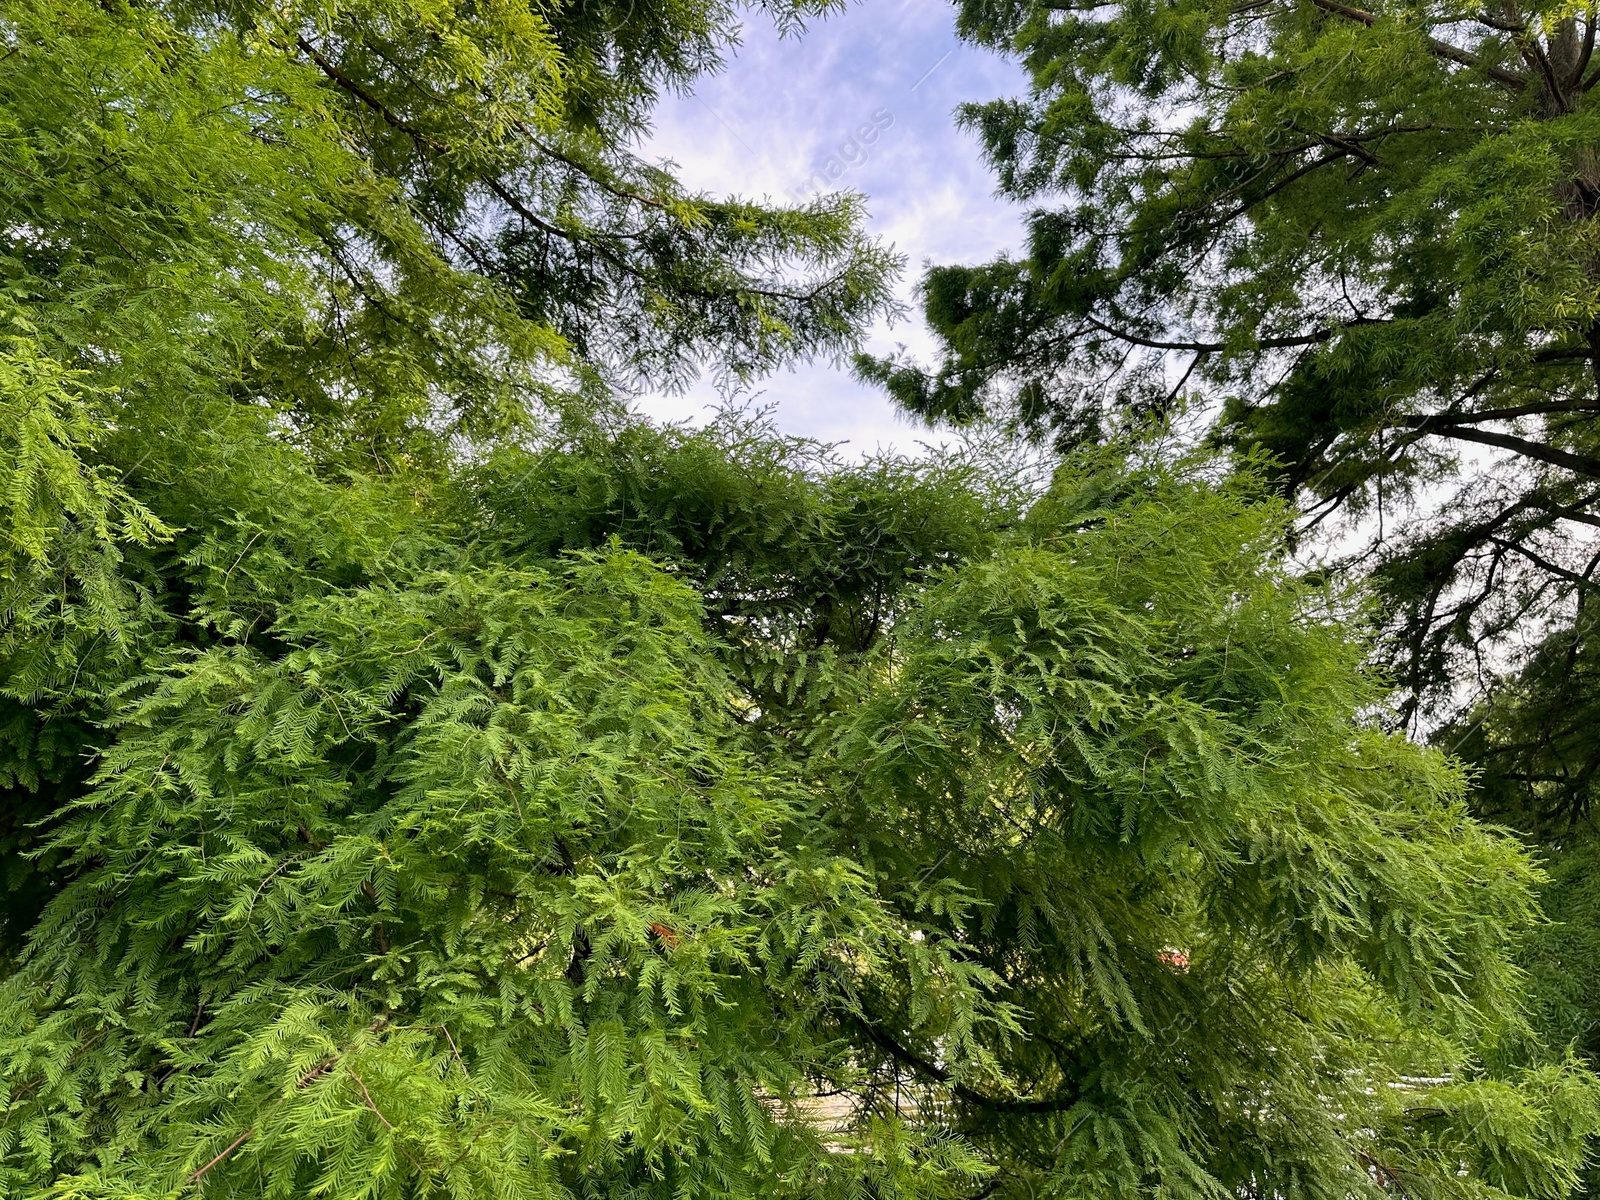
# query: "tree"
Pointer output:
{"type": "Point", "coordinates": [260, 259]}
{"type": "Point", "coordinates": [1365, 236]}
{"type": "Point", "coordinates": [423, 780]}
{"type": "Point", "coordinates": [512, 870]}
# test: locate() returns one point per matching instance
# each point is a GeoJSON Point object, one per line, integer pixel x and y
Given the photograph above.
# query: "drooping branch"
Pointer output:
{"type": "Point", "coordinates": [432, 146]}
{"type": "Point", "coordinates": [1439, 49]}
{"type": "Point", "coordinates": [938, 1074]}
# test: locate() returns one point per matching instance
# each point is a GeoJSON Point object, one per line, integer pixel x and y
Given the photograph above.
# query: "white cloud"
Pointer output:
{"type": "Point", "coordinates": [787, 110]}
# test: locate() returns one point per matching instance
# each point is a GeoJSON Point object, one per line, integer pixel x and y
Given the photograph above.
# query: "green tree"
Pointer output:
{"type": "Point", "coordinates": [1366, 236]}
{"type": "Point", "coordinates": [423, 781]}
{"type": "Point", "coordinates": [270, 268]}
{"type": "Point", "coordinates": [529, 866]}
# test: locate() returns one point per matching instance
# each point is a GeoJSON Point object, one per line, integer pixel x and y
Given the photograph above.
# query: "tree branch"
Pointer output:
{"type": "Point", "coordinates": [1543, 563]}
{"type": "Point", "coordinates": [1535, 450]}
{"type": "Point", "coordinates": [1587, 52]}
{"type": "Point", "coordinates": [244, 1137]}
{"type": "Point", "coordinates": [1504, 414]}
{"type": "Point", "coordinates": [512, 201]}
{"type": "Point", "coordinates": [1437, 48]}
{"type": "Point", "coordinates": [937, 1073]}
{"type": "Point", "coordinates": [1278, 343]}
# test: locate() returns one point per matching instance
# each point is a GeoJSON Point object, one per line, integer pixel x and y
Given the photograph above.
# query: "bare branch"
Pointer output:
{"type": "Point", "coordinates": [937, 1073]}
{"type": "Point", "coordinates": [1278, 343]}
{"type": "Point", "coordinates": [1503, 414]}
{"type": "Point", "coordinates": [1578, 463]}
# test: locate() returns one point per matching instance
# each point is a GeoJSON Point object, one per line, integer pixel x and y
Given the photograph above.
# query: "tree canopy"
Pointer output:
{"type": "Point", "coordinates": [530, 866]}
{"type": "Point", "coordinates": [257, 255]}
{"type": "Point", "coordinates": [423, 779]}
{"type": "Point", "coordinates": [1365, 235]}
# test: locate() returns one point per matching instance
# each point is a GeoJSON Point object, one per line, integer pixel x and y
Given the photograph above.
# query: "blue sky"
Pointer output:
{"type": "Point", "coordinates": [784, 109]}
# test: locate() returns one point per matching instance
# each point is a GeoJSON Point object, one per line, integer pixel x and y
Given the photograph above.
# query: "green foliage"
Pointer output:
{"type": "Point", "coordinates": [269, 272]}
{"type": "Point", "coordinates": [422, 781]}
{"type": "Point", "coordinates": [1365, 235]}
{"type": "Point", "coordinates": [471, 861]}
{"type": "Point", "coordinates": [1130, 740]}
{"type": "Point", "coordinates": [797, 557]}
{"type": "Point", "coordinates": [62, 517]}
{"type": "Point", "coordinates": [1534, 736]}
{"type": "Point", "coordinates": [493, 875]}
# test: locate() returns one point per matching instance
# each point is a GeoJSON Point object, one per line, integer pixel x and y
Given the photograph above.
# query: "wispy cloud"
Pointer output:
{"type": "Point", "coordinates": [864, 102]}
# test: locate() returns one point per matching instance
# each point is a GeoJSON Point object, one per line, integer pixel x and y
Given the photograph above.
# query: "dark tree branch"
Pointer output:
{"type": "Point", "coordinates": [1301, 172]}
{"type": "Point", "coordinates": [1533, 54]}
{"type": "Point", "coordinates": [938, 1074]}
{"type": "Point", "coordinates": [1178, 387]}
{"type": "Point", "coordinates": [1437, 48]}
{"type": "Point", "coordinates": [1578, 463]}
{"type": "Point", "coordinates": [1313, 338]}
{"type": "Point", "coordinates": [1541, 408]}
{"type": "Point", "coordinates": [1500, 23]}
{"type": "Point", "coordinates": [1566, 513]}
{"type": "Point", "coordinates": [1585, 54]}
{"type": "Point", "coordinates": [1544, 564]}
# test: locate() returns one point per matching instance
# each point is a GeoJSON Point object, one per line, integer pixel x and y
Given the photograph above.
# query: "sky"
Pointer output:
{"type": "Point", "coordinates": [768, 126]}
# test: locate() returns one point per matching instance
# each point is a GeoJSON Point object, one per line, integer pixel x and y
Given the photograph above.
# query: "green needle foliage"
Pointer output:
{"type": "Point", "coordinates": [422, 781]}
{"type": "Point", "coordinates": [1366, 234]}
{"type": "Point", "coordinates": [513, 869]}
{"type": "Point", "coordinates": [260, 260]}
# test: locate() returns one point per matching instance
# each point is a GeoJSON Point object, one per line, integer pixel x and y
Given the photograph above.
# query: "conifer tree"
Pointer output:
{"type": "Point", "coordinates": [260, 259]}
{"type": "Point", "coordinates": [532, 867]}
{"type": "Point", "coordinates": [1364, 233]}
{"type": "Point", "coordinates": [423, 781]}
